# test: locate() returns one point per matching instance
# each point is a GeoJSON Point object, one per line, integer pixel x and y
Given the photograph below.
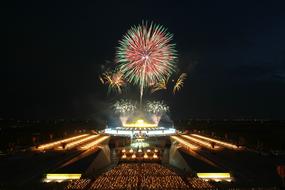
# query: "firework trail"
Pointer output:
{"type": "Point", "coordinates": [179, 83]}
{"type": "Point", "coordinates": [145, 55]}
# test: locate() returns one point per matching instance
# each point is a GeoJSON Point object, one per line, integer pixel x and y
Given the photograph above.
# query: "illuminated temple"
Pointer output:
{"type": "Point", "coordinates": [142, 128]}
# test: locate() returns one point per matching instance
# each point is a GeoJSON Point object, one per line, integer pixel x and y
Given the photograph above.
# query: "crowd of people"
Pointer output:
{"type": "Point", "coordinates": [155, 169]}
{"type": "Point", "coordinates": [143, 175]}
{"type": "Point", "coordinates": [77, 184]}
{"type": "Point", "coordinates": [115, 182]}
{"type": "Point", "coordinates": [139, 176]}
{"type": "Point", "coordinates": [198, 183]}
{"type": "Point", "coordinates": [124, 169]}
{"type": "Point", "coordinates": [163, 182]}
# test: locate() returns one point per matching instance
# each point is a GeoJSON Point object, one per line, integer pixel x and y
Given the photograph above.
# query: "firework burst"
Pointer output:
{"type": "Point", "coordinates": [115, 81]}
{"type": "Point", "coordinates": [124, 107]}
{"type": "Point", "coordinates": [179, 83]}
{"type": "Point", "coordinates": [162, 85]}
{"type": "Point", "coordinates": [145, 55]}
{"type": "Point", "coordinates": [156, 107]}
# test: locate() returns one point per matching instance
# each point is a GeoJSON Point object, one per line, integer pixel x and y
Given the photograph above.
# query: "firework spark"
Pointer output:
{"type": "Point", "coordinates": [162, 85]}
{"type": "Point", "coordinates": [124, 107]}
{"type": "Point", "coordinates": [115, 81]}
{"type": "Point", "coordinates": [156, 107]}
{"type": "Point", "coordinates": [145, 55]}
{"type": "Point", "coordinates": [179, 83]}
{"type": "Point", "coordinates": [101, 80]}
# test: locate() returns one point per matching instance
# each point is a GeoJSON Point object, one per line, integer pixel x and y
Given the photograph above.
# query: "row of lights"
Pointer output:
{"type": "Point", "coordinates": [80, 141]}
{"type": "Point", "coordinates": [61, 177]}
{"type": "Point", "coordinates": [217, 177]}
{"type": "Point", "coordinates": [185, 143]}
{"type": "Point", "coordinates": [139, 150]}
{"type": "Point", "coordinates": [203, 143]}
{"type": "Point", "coordinates": [124, 156]}
{"type": "Point", "coordinates": [94, 143]}
{"type": "Point", "coordinates": [56, 143]}
{"type": "Point", "coordinates": [229, 145]}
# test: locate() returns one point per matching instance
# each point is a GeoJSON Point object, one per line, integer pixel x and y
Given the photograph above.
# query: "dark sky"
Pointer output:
{"type": "Point", "coordinates": [233, 52]}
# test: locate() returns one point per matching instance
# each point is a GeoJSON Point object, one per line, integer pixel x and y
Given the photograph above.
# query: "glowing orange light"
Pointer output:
{"type": "Point", "coordinates": [229, 145]}
{"type": "Point", "coordinates": [77, 142]}
{"type": "Point", "coordinates": [56, 143]}
{"type": "Point", "coordinates": [61, 177]}
{"type": "Point", "coordinates": [215, 176]}
{"type": "Point", "coordinates": [185, 143]}
{"type": "Point", "coordinates": [145, 155]}
{"type": "Point", "coordinates": [200, 142]}
{"type": "Point", "coordinates": [140, 124]}
{"type": "Point", "coordinates": [94, 143]}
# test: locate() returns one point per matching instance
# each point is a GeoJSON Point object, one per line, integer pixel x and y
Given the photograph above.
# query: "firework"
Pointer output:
{"type": "Point", "coordinates": [145, 55]}
{"type": "Point", "coordinates": [156, 107]}
{"type": "Point", "coordinates": [124, 107]}
{"type": "Point", "coordinates": [101, 80]}
{"type": "Point", "coordinates": [115, 81]}
{"type": "Point", "coordinates": [162, 85]}
{"type": "Point", "coordinates": [179, 83]}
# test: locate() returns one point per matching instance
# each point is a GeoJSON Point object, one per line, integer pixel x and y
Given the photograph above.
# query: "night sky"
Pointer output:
{"type": "Point", "coordinates": [233, 52]}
